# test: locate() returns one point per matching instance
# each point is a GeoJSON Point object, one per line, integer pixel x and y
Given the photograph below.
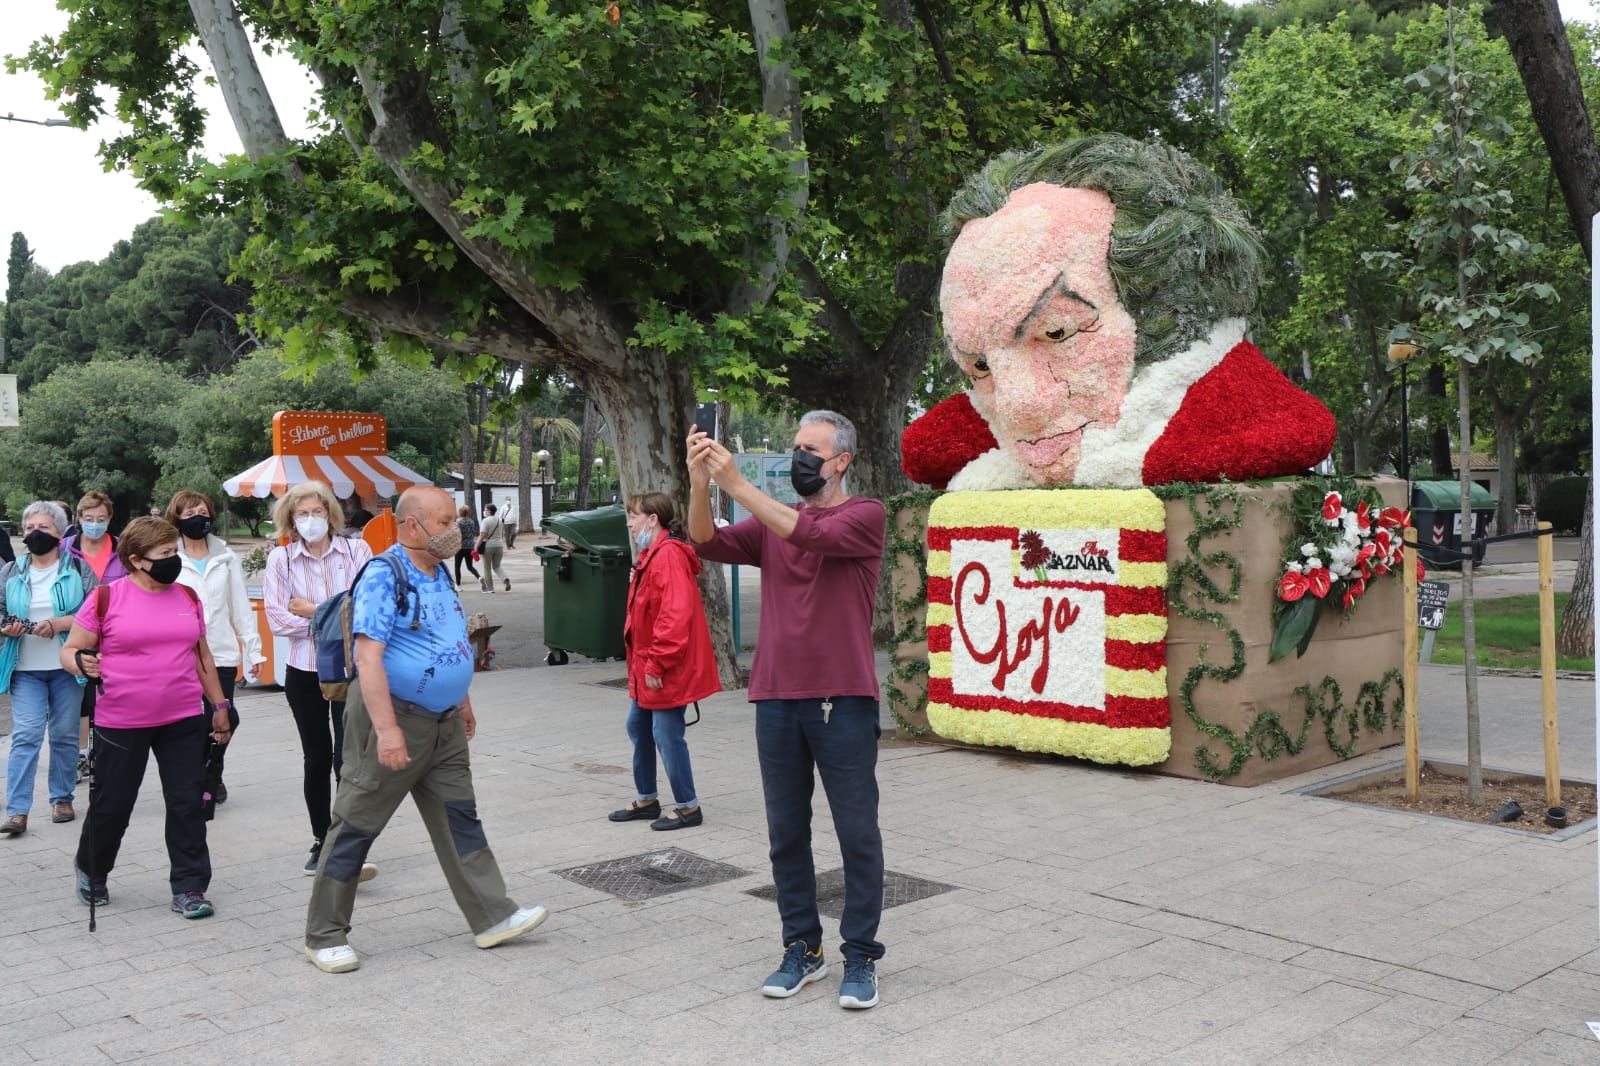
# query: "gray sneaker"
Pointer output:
{"type": "Point", "coordinates": [800, 966]}
{"type": "Point", "coordinates": [859, 989]}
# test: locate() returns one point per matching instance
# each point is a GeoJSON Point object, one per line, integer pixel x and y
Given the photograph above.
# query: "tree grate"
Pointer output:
{"type": "Point", "coordinates": [655, 873]}
{"type": "Point", "coordinates": [898, 889]}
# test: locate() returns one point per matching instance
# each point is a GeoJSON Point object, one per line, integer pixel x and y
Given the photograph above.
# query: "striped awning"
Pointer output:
{"type": "Point", "coordinates": [348, 475]}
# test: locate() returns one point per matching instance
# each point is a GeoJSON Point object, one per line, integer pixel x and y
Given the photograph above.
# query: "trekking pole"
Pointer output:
{"type": "Point", "coordinates": [94, 751]}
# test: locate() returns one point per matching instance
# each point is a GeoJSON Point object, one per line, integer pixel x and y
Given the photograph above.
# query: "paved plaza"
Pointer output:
{"type": "Point", "coordinates": [1094, 915]}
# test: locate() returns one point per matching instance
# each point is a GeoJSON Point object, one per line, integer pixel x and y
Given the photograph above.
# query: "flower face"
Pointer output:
{"type": "Point", "coordinates": [1033, 320]}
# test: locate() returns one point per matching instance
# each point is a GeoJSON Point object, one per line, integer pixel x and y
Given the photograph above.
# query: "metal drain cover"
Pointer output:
{"type": "Point", "coordinates": [898, 888]}
{"type": "Point", "coordinates": [654, 873]}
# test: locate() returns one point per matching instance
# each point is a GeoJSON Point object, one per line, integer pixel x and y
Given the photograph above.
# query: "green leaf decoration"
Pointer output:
{"type": "Point", "coordinates": [1294, 626]}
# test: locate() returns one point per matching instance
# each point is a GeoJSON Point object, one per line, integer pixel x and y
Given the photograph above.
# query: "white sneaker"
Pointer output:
{"type": "Point", "coordinates": [525, 920]}
{"type": "Point", "coordinates": [341, 959]}
{"type": "Point", "coordinates": [368, 872]}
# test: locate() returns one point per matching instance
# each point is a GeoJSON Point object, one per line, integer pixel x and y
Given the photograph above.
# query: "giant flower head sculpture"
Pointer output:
{"type": "Point", "coordinates": [1095, 295]}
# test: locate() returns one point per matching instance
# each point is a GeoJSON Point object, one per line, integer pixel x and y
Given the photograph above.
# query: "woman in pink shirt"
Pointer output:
{"type": "Point", "coordinates": [314, 565]}
{"type": "Point", "coordinates": [143, 641]}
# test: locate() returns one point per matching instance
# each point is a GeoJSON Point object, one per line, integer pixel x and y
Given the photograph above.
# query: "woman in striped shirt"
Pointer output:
{"type": "Point", "coordinates": [313, 566]}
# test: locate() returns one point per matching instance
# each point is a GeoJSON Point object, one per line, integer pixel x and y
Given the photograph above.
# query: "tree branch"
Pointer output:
{"type": "Point", "coordinates": [834, 317]}
{"type": "Point", "coordinates": [250, 105]}
{"type": "Point", "coordinates": [512, 334]}
{"type": "Point", "coordinates": [780, 99]}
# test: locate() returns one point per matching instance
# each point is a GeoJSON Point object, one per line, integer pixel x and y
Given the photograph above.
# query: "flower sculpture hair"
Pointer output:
{"type": "Point", "coordinates": [1183, 253]}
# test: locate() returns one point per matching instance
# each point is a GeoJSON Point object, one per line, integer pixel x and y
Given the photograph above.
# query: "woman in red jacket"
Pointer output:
{"type": "Point", "coordinates": [670, 664]}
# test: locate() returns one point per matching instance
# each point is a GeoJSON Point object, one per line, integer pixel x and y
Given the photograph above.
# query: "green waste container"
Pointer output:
{"type": "Point", "coordinates": [1436, 511]}
{"type": "Point", "coordinates": [585, 583]}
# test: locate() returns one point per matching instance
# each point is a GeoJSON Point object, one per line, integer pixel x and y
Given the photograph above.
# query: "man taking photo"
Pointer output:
{"type": "Point", "coordinates": [814, 684]}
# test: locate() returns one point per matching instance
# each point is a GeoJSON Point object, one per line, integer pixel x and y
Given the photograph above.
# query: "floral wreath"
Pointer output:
{"type": "Point", "coordinates": [1342, 539]}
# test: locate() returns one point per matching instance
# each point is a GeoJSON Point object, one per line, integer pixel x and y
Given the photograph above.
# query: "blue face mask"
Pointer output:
{"type": "Point", "coordinates": [643, 539]}
{"type": "Point", "coordinates": [95, 530]}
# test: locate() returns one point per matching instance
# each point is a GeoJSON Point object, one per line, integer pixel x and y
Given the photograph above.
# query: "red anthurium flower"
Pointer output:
{"type": "Point", "coordinates": [1367, 552]}
{"type": "Point", "coordinates": [1363, 522]}
{"type": "Point", "coordinates": [1422, 571]}
{"type": "Point", "coordinates": [1383, 542]}
{"type": "Point", "coordinates": [1332, 506]}
{"type": "Point", "coordinates": [1391, 518]}
{"type": "Point", "coordinates": [1381, 569]}
{"type": "Point", "coordinates": [1292, 587]}
{"type": "Point", "coordinates": [1357, 587]}
{"type": "Point", "coordinates": [1319, 581]}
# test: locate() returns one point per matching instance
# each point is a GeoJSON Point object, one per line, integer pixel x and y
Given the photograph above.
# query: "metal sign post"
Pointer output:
{"type": "Point", "coordinates": [1431, 599]}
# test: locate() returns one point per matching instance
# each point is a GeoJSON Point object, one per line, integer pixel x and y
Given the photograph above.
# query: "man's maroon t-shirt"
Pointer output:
{"type": "Point", "coordinates": [818, 589]}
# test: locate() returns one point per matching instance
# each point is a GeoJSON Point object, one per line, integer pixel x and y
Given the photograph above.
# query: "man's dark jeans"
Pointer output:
{"type": "Point", "coordinates": [791, 739]}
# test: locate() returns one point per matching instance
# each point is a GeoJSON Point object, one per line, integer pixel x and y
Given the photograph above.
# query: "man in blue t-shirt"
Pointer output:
{"type": "Point", "coordinates": [407, 723]}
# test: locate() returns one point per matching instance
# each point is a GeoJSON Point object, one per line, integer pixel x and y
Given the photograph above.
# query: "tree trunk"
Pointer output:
{"type": "Point", "coordinates": [649, 410]}
{"type": "Point", "coordinates": [1575, 638]}
{"type": "Point", "coordinates": [525, 469]}
{"type": "Point", "coordinates": [469, 479]}
{"type": "Point", "coordinates": [1360, 449]}
{"type": "Point", "coordinates": [1439, 434]}
{"type": "Point", "coordinates": [586, 442]}
{"type": "Point", "coordinates": [1469, 644]}
{"type": "Point", "coordinates": [1538, 42]}
{"type": "Point", "coordinates": [1506, 424]}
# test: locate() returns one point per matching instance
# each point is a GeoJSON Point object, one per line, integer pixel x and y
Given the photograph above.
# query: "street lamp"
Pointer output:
{"type": "Point", "coordinates": [543, 455]}
{"type": "Point", "coordinates": [1401, 353]}
{"type": "Point", "coordinates": [9, 117]}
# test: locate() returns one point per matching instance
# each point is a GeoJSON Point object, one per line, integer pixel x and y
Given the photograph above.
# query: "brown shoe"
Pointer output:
{"type": "Point", "coordinates": [14, 826]}
{"type": "Point", "coordinates": [61, 811]}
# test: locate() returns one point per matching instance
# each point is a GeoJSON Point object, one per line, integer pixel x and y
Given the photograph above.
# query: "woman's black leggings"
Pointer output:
{"type": "Point", "coordinates": [321, 725]}
{"type": "Point", "coordinates": [465, 556]}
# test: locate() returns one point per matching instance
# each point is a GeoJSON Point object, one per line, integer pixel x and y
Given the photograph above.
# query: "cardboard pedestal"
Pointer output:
{"type": "Point", "coordinates": [1273, 720]}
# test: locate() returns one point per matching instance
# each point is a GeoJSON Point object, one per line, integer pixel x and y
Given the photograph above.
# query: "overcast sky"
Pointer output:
{"type": "Point", "coordinates": [53, 187]}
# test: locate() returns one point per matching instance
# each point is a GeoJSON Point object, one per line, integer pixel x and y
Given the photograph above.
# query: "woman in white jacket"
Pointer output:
{"type": "Point", "coordinates": [217, 576]}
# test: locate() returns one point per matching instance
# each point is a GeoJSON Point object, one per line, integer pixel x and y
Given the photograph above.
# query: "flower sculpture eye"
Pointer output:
{"type": "Point", "coordinates": [1058, 334]}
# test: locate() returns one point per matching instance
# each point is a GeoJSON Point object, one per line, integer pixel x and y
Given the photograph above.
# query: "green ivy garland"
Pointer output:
{"type": "Point", "coordinates": [1191, 592]}
{"type": "Point", "coordinates": [1216, 509]}
{"type": "Point", "coordinates": [909, 611]}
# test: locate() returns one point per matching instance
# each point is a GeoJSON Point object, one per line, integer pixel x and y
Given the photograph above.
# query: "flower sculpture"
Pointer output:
{"type": "Point", "coordinates": [1094, 296]}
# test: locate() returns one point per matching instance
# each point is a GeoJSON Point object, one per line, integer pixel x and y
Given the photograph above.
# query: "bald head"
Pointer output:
{"type": "Point", "coordinates": [427, 504]}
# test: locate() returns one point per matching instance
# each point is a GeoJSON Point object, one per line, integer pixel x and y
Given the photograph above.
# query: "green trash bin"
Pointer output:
{"type": "Point", "coordinates": [585, 583]}
{"type": "Point", "coordinates": [1436, 512]}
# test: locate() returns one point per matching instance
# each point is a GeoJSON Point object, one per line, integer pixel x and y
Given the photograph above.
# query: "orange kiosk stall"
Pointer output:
{"type": "Point", "coordinates": [348, 451]}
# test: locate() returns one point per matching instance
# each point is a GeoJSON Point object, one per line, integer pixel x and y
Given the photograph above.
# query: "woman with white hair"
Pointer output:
{"type": "Point", "coordinates": [42, 592]}
{"type": "Point", "coordinates": [313, 566]}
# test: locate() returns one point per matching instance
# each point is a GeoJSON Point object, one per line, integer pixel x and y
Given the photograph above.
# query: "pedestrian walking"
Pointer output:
{"type": "Point", "coordinates": [492, 546]}
{"type": "Point", "coordinates": [813, 682]}
{"type": "Point", "coordinates": [469, 539]}
{"type": "Point", "coordinates": [313, 566]}
{"type": "Point", "coordinates": [42, 593]}
{"type": "Point", "coordinates": [670, 664]}
{"type": "Point", "coordinates": [216, 574]}
{"type": "Point", "coordinates": [143, 640]}
{"type": "Point", "coordinates": [94, 545]}
{"type": "Point", "coordinates": [410, 720]}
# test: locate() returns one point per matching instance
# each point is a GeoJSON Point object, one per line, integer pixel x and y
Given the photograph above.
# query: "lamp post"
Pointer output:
{"type": "Point", "coordinates": [9, 117]}
{"type": "Point", "coordinates": [600, 470]}
{"type": "Point", "coordinates": [1401, 353]}
{"type": "Point", "coordinates": [543, 455]}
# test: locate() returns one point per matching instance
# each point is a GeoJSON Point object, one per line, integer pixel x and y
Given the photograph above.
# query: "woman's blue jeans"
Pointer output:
{"type": "Point", "coordinates": [44, 704]}
{"type": "Point", "coordinates": [662, 731]}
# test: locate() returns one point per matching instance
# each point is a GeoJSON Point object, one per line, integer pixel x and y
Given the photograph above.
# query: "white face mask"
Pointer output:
{"type": "Point", "coordinates": [311, 528]}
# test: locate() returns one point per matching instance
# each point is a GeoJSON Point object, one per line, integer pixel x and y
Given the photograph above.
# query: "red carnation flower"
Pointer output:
{"type": "Point", "coordinates": [1292, 586]}
{"type": "Point", "coordinates": [1034, 553]}
{"type": "Point", "coordinates": [1332, 507]}
{"type": "Point", "coordinates": [1319, 581]}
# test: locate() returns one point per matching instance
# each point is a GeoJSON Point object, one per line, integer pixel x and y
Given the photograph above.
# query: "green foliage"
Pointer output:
{"type": "Point", "coordinates": [1507, 635]}
{"type": "Point", "coordinates": [1561, 503]}
{"type": "Point", "coordinates": [164, 292]}
{"type": "Point", "coordinates": [101, 425]}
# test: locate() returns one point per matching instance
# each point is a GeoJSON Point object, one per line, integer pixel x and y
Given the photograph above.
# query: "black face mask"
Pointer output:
{"type": "Point", "coordinates": [166, 570]}
{"type": "Point", "coordinates": [195, 527]}
{"type": "Point", "coordinates": [805, 473]}
{"type": "Point", "coordinates": [41, 543]}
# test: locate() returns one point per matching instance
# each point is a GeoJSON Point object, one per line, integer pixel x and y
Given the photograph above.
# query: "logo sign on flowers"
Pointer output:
{"type": "Point", "coordinates": [1342, 539]}
{"type": "Point", "coordinates": [1047, 622]}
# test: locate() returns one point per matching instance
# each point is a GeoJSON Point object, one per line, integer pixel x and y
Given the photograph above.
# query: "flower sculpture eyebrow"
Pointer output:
{"type": "Point", "coordinates": [1058, 287]}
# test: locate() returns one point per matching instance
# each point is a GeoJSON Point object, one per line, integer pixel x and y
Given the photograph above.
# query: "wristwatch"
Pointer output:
{"type": "Point", "coordinates": [222, 705]}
